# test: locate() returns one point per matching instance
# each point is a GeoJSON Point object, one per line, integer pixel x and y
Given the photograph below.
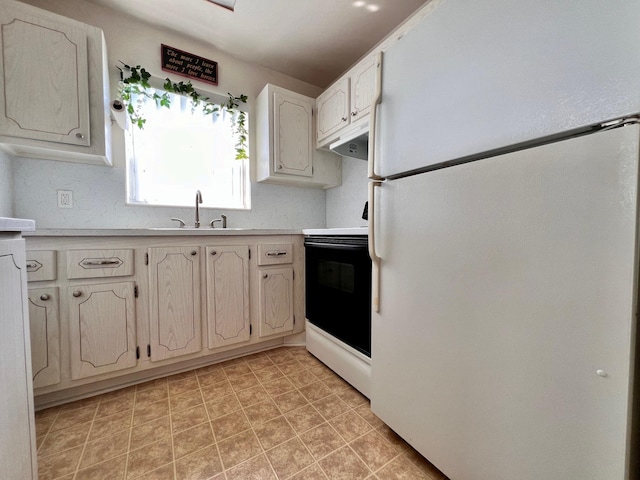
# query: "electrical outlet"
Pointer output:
{"type": "Point", "coordinates": [65, 199]}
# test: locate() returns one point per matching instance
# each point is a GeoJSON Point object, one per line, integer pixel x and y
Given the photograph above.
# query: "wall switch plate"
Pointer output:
{"type": "Point", "coordinates": [65, 199]}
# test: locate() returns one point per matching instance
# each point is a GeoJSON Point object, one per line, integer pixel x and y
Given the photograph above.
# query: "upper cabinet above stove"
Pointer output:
{"type": "Point", "coordinates": [55, 94]}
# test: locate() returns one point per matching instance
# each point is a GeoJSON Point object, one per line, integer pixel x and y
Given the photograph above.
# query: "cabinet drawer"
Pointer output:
{"type": "Point", "coordinates": [275, 253]}
{"type": "Point", "coordinates": [99, 263]}
{"type": "Point", "coordinates": [41, 265]}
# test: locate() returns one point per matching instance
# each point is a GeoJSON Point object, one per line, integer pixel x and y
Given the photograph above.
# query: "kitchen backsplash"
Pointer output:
{"type": "Point", "coordinates": [346, 203]}
{"type": "Point", "coordinates": [6, 186]}
{"type": "Point", "coordinates": [99, 201]}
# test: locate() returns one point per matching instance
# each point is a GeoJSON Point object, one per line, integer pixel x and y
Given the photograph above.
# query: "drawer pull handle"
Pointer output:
{"type": "Point", "coordinates": [44, 297]}
{"type": "Point", "coordinates": [276, 254]}
{"type": "Point", "coordinates": [32, 265]}
{"type": "Point", "coordinates": [77, 293]}
{"type": "Point", "coordinates": [94, 263]}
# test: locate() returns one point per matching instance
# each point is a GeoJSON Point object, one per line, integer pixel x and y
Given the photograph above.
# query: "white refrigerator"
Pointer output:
{"type": "Point", "coordinates": [504, 234]}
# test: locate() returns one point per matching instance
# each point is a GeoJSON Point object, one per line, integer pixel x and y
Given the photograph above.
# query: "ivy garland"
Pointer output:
{"type": "Point", "coordinates": [137, 83]}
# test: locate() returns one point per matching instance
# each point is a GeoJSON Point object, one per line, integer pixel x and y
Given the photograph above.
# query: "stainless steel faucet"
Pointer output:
{"type": "Point", "coordinates": [198, 202]}
{"type": "Point", "coordinates": [223, 219]}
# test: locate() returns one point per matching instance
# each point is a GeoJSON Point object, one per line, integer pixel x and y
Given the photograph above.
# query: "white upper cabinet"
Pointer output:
{"type": "Point", "coordinates": [292, 134]}
{"type": "Point", "coordinates": [346, 102]}
{"type": "Point", "coordinates": [54, 93]}
{"type": "Point", "coordinates": [284, 136]}
{"type": "Point", "coordinates": [58, 84]}
{"type": "Point", "coordinates": [363, 88]}
{"type": "Point", "coordinates": [333, 109]}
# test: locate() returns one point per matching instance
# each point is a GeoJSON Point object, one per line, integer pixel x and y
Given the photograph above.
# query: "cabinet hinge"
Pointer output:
{"type": "Point", "coordinates": [148, 350]}
{"type": "Point", "coordinates": [294, 274]}
{"type": "Point", "coordinates": [136, 292]}
{"type": "Point", "coordinates": [249, 254]}
{"type": "Point", "coordinates": [294, 319]}
{"type": "Point", "coordinates": [146, 259]}
{"type": "Point", "coordinates": [250, 329]}
{"type": "Point", "coordinates": [137, 353]}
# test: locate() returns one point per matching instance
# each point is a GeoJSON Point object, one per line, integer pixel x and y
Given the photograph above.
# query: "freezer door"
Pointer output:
{"type": "Point", "coordinates": [481, 76]}
{"type": "Point", "coordinates": [504, 341]}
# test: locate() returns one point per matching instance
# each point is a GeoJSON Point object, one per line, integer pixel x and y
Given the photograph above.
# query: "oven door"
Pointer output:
{"type": "Point", "coordinates": [338, 288]}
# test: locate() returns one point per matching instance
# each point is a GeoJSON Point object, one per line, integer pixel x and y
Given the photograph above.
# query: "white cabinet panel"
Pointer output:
{"type": "Point", "coordinates": [17, 432]}
{"type": "Point", "coordinates": [176, 320]}
{"type": "Point", "coordinates": [44, 321]}
{"type": "Point", "coordinates": [44, 80]}
{"type": "Point", "coordinates": [276, 300]}
{"type": "Point", "coordinates": [228, 295]}
{"type": "Point", "coordinates": [102, 328]}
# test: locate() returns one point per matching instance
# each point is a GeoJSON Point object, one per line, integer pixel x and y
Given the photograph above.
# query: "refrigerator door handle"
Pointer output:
{"type": "Point", "coordinates": [373, 118]}
{"type": "Point", "coordinates": [375, 259]}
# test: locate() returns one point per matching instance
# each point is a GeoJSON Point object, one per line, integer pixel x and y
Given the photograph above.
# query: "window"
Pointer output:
{"type": "Point", "coordinates": [181, 150]}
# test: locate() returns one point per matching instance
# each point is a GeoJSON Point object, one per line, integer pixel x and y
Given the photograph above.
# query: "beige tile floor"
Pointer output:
{"type": "Point", "coordinates": [279, 414]}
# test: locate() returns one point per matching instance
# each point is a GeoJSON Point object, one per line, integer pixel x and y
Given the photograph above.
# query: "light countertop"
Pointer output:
{"type": "Point", "coordinates": [158, 232]}
{"type": "Point", "coordinates": [16, 225]}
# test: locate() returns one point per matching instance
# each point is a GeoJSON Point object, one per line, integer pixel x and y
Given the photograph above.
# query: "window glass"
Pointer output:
{"type": "Point", "coordinates": [181, 150]}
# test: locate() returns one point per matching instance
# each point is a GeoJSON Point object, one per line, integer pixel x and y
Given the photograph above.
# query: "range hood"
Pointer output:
{"type": "Point", "coordinates": [354, 143]}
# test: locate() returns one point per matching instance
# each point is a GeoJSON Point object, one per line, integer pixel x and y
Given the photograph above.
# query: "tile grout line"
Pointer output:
{"type": "Point", "coordinates": [213, 433]}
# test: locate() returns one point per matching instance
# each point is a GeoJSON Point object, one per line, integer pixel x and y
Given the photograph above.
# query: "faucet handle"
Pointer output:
{"type": "Point", "coordinates": [212, 223]}
{"type": "Point", "coordinates": [182, 223]}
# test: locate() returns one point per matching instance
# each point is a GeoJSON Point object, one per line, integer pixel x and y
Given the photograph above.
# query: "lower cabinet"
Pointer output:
{"type": "Point", "coordinates": [228, 320]}
{"type": "Point", "coordinates": [105, 309]}
{"type": "Point", "coordinates": [102, 328]}
{"type": "Point", "coordinates": [174, 296]}
{"type": "Point", "coordinates": [275, 296]}
{"type": "Point", "coordinates": [44, 322]}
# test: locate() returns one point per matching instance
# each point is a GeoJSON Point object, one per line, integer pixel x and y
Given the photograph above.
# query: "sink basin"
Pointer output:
{"type": "Point", "coordinates": [200, 229]}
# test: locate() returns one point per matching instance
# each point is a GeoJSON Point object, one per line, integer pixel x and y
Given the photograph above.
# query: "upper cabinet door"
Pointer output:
{"type": "Point", "coordinates": [363, 88]}
{"type": "Point", "coordinates": [45, 94]}
{"type": "Point", "coordinates": [333, 109]}
{"type": "Point", "coordinates": [293, 134]}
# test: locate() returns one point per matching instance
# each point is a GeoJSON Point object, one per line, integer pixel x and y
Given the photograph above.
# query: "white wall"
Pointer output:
{"type": "Point", "coordinates": [346, 203]}
{"type": "Point", "coordinates": [6, 185]}
{"type": "Point", "coordinates": [99, 192]}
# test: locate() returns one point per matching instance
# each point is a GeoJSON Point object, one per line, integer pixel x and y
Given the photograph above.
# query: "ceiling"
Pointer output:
{"type": "Point", "coordinates": [311, 40]}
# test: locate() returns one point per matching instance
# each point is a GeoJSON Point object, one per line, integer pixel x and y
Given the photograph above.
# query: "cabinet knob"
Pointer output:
{"type": "Point", "coordinates": [214, 253]}
{"type": "Point", "coordinates": [354, 113]}
{"type": "Point", "coordinates": [265, 276]}
{"type": "Point", "coordinates": [44, 297]}
{"type": "Point", "coordinates": [194, 253]}
{"type": "Point", "coordinates": [77, 293]}
{"type": "Point", "coordinates": [343, 119]}
{"type": "Point", "coordinates": [80, 135]}
{"type": "Point", "coordinates": [279, 166]}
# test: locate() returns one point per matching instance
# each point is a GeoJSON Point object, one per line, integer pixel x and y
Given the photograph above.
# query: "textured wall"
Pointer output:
{"type": "Point", "coordinates": [6, 185]}
{"type": "Point", "coordinates": [345, 203]}
{"type": "Point", "coordinates": [99, 192]}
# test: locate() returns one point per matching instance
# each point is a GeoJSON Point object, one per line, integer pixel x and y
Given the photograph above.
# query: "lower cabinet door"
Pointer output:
{"type": "Point", "coordinates": [102, 328]}
{"type": "Point", "coordinates": [44, 322]}
{"type": "Point", "coordinates": [174, 296]}
{"type": "Point", "coordinates": [276, 300]}
{"type": "Point", "coordinates": [227, 295]}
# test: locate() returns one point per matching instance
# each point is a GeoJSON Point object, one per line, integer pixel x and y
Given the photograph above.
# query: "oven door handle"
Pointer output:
{"type": "Point", "coordinates": [335, 246]}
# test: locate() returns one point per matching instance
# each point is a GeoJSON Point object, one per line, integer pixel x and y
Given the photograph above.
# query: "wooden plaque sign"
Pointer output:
{"type": "Point", "coordinates": [189, 65]}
